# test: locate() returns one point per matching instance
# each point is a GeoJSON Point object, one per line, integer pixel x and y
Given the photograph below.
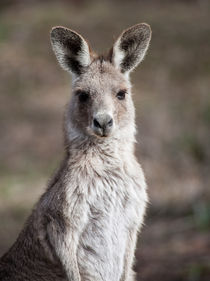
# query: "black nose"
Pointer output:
{"type": "Point", "coordinates": [102, 124]}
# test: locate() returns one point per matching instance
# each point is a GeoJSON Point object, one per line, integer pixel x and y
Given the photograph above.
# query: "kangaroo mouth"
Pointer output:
{"type": "Point", "coordinates": [102, 132]}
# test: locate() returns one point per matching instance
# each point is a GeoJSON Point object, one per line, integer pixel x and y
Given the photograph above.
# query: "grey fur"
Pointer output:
{"type": "Point", "coordinates": [85, 225]}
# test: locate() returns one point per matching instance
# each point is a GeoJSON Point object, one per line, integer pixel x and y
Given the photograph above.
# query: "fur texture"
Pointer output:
{"type": "Point", "coordinates": [84, 227]}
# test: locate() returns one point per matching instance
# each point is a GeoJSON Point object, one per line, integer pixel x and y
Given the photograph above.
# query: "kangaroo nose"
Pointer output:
{"type": "Point", "coordinates": [102, 124]}
{"type": "Point", "coordinates": [103, 121]}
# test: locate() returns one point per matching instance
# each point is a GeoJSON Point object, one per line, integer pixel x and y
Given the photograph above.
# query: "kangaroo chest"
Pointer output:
{"type": "Point", "coordinates": [115, 210]}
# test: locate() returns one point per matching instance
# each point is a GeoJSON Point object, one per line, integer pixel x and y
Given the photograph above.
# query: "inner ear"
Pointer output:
{"type": "Point", "coordinates": [71, 49]}
{"type": "Point", "coordinates": [130, 48]}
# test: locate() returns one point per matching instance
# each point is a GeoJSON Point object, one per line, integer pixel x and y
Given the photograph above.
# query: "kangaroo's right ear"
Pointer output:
{"type": "Point", "coordinates": [71, 49]}
{"type": "Point", "coordinates": [130, 48]}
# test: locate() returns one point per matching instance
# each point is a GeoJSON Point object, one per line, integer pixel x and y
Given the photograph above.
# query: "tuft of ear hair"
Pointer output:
{"type": "Point", "coordinates": [131, 46]}
{"type": "Point", "coordinates": [71, 49]}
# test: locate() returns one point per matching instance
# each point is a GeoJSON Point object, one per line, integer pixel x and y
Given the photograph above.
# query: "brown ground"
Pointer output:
{"type": "Point", "coordinates": [173, 116]}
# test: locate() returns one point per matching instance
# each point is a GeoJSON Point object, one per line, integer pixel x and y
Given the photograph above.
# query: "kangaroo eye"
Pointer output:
{"type": "Point", "coordinates": [82, 95]}
{"type": "Point", "coordinates": [121, 94]}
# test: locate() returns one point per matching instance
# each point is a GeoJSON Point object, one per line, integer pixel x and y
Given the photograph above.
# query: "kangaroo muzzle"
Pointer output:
{"type": "Point", "coordinates": [102, 124]}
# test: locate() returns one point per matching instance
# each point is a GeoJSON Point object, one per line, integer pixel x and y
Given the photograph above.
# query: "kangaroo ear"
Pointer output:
{"type": "Point", "coordinates": [130, 48]}
{"type": "Point", "coordinates": [71, 49]}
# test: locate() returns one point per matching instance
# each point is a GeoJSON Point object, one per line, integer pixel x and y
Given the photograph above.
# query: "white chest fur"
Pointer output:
{"type": "Point", "coordinates": [114, 203]}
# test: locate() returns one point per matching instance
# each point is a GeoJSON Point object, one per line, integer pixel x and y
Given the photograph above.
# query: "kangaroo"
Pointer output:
{"type": "Point", "coordinates": [84, 227]}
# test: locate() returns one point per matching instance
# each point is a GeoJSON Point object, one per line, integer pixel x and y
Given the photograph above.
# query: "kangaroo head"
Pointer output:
{"type": "Point", "coordinates": [101, 105]}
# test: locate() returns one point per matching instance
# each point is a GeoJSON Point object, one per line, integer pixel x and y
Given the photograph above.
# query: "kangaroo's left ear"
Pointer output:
{"type": "Point", "coordinates": [71, 49]}
{"type": "Point", "coordinates": [130, 48]}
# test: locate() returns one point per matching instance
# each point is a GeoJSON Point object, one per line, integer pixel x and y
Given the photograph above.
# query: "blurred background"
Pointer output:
{"type": "Point", "coordinates": [172, 98]}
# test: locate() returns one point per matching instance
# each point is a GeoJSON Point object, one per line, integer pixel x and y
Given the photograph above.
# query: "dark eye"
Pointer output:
{"type": "Point", "coordinates": [82, 95]}
{"type": "Point", "coordinates": [121, 94]}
